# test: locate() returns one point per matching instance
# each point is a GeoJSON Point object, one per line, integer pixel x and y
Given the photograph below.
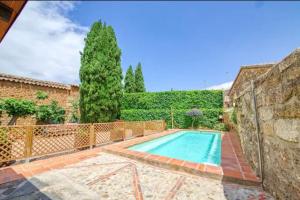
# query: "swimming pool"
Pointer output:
{"type": "Point", "coordinates": [193, 146]}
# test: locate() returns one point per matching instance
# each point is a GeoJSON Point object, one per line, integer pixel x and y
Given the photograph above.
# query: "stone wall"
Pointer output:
{"type": "Point", "coordinates": [247, 73]}
{"type": "Point", "coordinates": [277, 95]}
{"type": "Point", "coordinates": [63, 95]}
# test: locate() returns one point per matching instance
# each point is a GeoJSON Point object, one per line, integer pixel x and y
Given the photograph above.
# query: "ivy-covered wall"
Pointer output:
{"type": "Point", "coordinates": [158, 105]}
{"type": "Point", "coordinates": [176, 99]}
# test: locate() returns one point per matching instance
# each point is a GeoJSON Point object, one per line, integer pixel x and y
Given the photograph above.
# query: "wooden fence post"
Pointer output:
{"type": "Point", "coordinates": [172, 118]}
{"type": "Point", "coordinates": [124, 131]}
{"type": "Point", "coordinates": [28, 143]}
{"type": "Point", "coordinates": [144, 128]}
{"type": "Point", "coordinates": [92, 136]}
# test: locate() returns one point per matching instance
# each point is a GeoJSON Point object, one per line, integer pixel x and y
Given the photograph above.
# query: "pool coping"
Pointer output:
{"type": "Point", "coordinates": [233, 166]}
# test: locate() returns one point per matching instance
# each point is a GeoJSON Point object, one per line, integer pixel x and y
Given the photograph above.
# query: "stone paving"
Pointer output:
{"type": "Point", "coordinates": [233, 167]}
{"type": "Point", "coordinates": [107, 176]}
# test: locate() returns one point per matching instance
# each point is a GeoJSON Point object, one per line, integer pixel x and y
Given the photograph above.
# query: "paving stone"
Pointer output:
{"type": "Point", "coordinates": [114, 177]}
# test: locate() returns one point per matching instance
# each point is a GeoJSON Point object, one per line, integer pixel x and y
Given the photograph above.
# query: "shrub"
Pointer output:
{"type": "Point", "coordinates": [221, 127]}
{"type": "Point", "coordinates": [194, 114]}
{"type": "Point", "coordinates": [203, 99]}
{"type": "Point", "coordinates": [50, 114]}
{"type": "Point", "coordinates": [16, 108]}
{"type": "Point", "coordinates": [158, 105]}
{"type": "Point", "coordinates": [75, 112]}
{"type": "Point", "coordinates": [209, 119]}
{"type": "Point", "coordinates": [233, 116]}
{"type": "Point", "coordinates": [1, 109]}
{"type": "Point", "coordinates": [41, 95]}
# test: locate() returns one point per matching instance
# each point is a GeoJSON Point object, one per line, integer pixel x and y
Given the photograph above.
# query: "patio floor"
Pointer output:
{"type": "Point", "coordinates": [233, 165]}
{"type": "Point", "coordinates": [93, 174]}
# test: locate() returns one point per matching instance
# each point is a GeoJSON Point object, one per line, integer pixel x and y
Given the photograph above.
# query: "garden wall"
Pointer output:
{"type": "Point", "coordinates": [277, 94]}
{"type": "Point", "coordinates": [25, 88]}
{"type": "Point", "coordinates": [159, 105]}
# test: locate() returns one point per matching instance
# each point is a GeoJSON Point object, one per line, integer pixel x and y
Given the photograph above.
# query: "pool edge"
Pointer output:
{"type": "Point", "coordinates": [205, 170]}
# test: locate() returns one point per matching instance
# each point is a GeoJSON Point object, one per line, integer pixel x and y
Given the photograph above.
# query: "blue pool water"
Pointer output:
{"type": "Point", "coordinates": [194, 146]}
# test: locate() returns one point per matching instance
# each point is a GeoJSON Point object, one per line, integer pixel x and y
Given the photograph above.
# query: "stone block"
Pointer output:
{"type": "Point", "coordinates": [287, 129]}
{"type": "Point", "coordinates": [265, 113]}
{"type": "Point", "coordinates": [292, 72]}
{"type": "Point", "coordinates": [267, 128]}
{"type": "Point", "coordinates": [290, 109]}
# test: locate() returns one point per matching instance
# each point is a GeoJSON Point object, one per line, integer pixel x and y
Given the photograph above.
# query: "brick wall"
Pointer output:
{"type": "Point", "coordinates": [278, 107]}
{"type": "Point", "coordinates": [63, 95]}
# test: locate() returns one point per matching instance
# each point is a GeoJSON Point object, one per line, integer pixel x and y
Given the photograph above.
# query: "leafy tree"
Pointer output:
{"type": "Point", "coordinates": [129, 82]}
{"type": "Point", "coordinates": [74, 112]}
{"type": "Point", "coordinates": [50, 114]}
{"type": "Point", "coordinates": [16, 108]}
{"type": "Point", "coordinates": [139, 79]}
{"type": "Point", "coordinates": [194, 114]}
{"type": "Point", "coordinates": [100, 75]}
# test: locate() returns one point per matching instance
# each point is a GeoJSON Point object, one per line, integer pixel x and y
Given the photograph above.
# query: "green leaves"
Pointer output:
{"type": "Point", "coordinates": [206, 99]}
{"type": "Point", "coordinates": [233, 116]}
{"type": "Point", "coordinates": [139, 79]}
{"type": "Point", "coordinates": [209, 118]}
{"type": "Point", "coordinates": [50, 114]}
{"type": "Point", "coordinates": [100, 76]}
{"type": "Point", "coordinates": [157, 105]}
{"type": "Point", "coordinates": [18, 107]}
{"type": "Point", "coordinates": [134, 82]}
{"type": "Point", "coordinates": [129, 82]}
{"type": "Point", "coordinates": [75, 112]}
{"type": "Point", "coordinates": [41, 95]}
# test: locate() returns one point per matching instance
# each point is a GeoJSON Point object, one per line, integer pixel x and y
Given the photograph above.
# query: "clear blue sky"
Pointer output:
{"type": "Point", "coordinates": [193, 45]}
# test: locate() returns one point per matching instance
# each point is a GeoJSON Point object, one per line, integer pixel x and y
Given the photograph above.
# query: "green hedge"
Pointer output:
{"type": "Point", "coordinates": [203, 99]}
{"type": "Point", "coordinates": [210, 117]}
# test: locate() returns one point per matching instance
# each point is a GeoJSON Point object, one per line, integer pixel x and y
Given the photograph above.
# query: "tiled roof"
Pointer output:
{"type": "Point", "coordinates": [20, 79]}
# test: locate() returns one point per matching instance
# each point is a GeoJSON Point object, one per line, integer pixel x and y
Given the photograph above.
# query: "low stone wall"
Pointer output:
{"type": "Point", "coordinates": [278, 107]}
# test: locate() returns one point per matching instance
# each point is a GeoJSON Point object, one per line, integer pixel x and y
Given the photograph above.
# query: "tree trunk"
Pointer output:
{"type": "Point", "coordinates": [13, 121]}
{"type": "Point", "coordinates": [193, 123]}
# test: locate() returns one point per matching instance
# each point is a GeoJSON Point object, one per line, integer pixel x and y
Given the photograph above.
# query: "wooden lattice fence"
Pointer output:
{"type": "Point", "coordinates": [23, 142]}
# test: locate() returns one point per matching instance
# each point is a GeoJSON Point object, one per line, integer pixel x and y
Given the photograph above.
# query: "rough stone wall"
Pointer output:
{"type": "Point", "coordinates": [247, 128]}
{"type": "Point", "coordinates": [64, 97]}
{"type": "Point", "coordinates": [246, 74]}
{"type": "Point", "coordinates": [278, 106]}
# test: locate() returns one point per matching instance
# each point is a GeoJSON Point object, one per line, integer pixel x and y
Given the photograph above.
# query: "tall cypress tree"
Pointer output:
{"type": "Point", "coordinates": [139, 79]}
{"type": "Point", "coordinates": [129, 83]}
{"type": "Point", "coordinates": [100, 76]}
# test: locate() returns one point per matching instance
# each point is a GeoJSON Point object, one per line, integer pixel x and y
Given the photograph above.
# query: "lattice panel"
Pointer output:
{"type": "Point", "coordinates": [102, 132]}
{"type": "Point", "coordinates": [12, 143]}
{"type": "Point", "coordinates": [19, 142]}
{"type": "Point", "coordinates": [137, 128]}
{"type": "Point", "coordinates": [118, 132]}
{"type": "Point", "coordinates": [58, 138]}
{"type": "Point", "coordinates": [154, 125]}
{"type": "Point", "coordinates": [82, 138]}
